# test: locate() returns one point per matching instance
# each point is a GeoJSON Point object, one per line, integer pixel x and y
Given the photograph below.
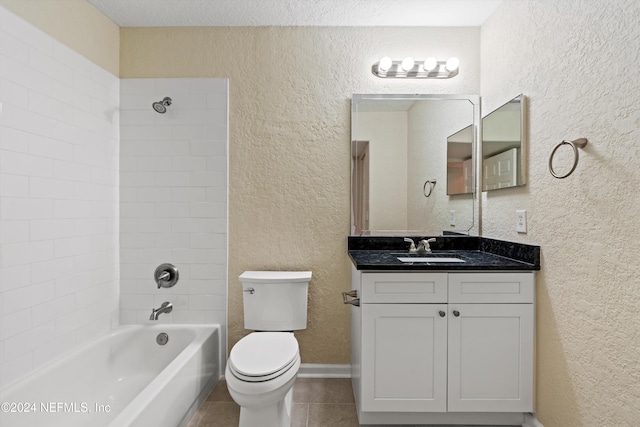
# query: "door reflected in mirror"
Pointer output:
{"type": "Point", "coordinates": [399, 158]}
{"type": "Point", "coordinates": [504, 146]}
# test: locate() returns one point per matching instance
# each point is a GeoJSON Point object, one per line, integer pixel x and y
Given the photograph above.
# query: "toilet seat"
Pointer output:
{"type": "Point", "coordinates": [263, 356]}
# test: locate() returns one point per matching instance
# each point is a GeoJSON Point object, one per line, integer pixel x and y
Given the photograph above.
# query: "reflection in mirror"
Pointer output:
{"type": "Point", "coordinates": [460, 162]}
{"type": "Point", "coordinates": [504, 146]}
{"type": "Point", "coordinates": [399, 142]}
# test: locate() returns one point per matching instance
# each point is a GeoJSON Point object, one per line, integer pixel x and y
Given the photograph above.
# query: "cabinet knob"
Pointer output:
{"type": "Point", "coordinates": [441, 313]}
{"type": "Point", "coordinates": [456, 313]}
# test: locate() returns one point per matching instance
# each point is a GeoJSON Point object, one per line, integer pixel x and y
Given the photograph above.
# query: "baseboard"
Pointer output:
{"type": "Point", "coordinates": [313, 370]}
{"type": "Point", "coordinates": [530, 420]}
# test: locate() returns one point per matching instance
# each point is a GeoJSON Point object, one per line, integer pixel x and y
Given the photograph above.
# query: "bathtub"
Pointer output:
{"type": "Point", "coordinates": [122, 379]}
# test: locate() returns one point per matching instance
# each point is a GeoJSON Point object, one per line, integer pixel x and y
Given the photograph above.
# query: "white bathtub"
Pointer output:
{"type": "Point", "coordinates": [122, 379]}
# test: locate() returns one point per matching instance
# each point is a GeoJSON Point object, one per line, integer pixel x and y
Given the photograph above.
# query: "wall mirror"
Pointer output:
{"type": "Point", "coordinates": [399, 164]}
{"type": "Point", "coordinates": [460, 162]}
{"type": "Point", "coordinates": [504, 146]}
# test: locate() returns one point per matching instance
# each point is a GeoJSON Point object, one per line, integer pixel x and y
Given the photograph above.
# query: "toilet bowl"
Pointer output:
{"type": "Point", "coordinates": [263, 366]}
{"type": "Point", "coordinates": [260, 374]}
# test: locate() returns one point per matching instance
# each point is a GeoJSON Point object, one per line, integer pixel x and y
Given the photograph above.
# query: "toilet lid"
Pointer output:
{"type": "Point", "coordinates": [261, 354]}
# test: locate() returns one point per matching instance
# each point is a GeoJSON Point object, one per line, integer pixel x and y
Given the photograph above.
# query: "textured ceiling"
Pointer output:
{"type": "Point", "coordinates": [406, 13]}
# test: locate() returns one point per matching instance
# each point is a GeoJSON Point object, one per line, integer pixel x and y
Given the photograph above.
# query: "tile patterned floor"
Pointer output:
{"type": "Point", "coordinates": [317, 402]}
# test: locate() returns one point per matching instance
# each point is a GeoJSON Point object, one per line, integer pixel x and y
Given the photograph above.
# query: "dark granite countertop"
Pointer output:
{"type": "Point", "coordinates": [478, 253]}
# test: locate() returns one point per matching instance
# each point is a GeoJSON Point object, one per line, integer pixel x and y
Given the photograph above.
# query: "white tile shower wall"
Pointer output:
{"type": "Point", "coordinates": [173, 199]}
{"type": "Point", "coordinates": [59, 130]}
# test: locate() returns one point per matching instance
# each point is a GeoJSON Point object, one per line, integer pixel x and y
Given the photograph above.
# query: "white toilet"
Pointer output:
{"type": "Point", "coordinates": [263, 366]}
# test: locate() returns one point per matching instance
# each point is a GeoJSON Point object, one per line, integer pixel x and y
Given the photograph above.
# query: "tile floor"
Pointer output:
{"type": "Point", "coordinates": [317, 402]}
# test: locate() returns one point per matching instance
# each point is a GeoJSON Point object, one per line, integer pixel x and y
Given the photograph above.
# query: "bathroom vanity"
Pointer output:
{"type": "Point", "coordinates": [443, 342]}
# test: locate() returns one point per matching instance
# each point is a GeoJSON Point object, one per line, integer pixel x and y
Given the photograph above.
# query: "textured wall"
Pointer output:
{"type": "Point", "coordinates": [173, 199]}
{"type": "Point", "coordinates": [77, 24]}
{"type": "Point", "coordinates": [577, 62]}
{"type": "Point", "coordinates": [289, 159]}
{"type": "Point", "coordinates": [58, 199]}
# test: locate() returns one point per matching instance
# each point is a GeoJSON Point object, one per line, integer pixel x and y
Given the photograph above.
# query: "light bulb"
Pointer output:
{"type": "Point", "coordinates": [430, 63]}
{"type": "Point", "coordinates": [452, 64]}
{"type": "Point", "coordinates": [384, 64]}
{"type": "Point", "coordinates": [407, 63]}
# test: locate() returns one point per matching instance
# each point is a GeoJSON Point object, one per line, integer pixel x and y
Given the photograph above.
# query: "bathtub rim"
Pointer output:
{"type": "Point", "coordinates": [7, 389]}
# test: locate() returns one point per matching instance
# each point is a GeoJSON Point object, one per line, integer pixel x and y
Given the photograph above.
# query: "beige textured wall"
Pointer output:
{"type": "Point", "coordinates": [290, 90]}
{"type": "Point", "coordinates": [77, 24]}
{"type": "Point", "coordinates": [577, 61]}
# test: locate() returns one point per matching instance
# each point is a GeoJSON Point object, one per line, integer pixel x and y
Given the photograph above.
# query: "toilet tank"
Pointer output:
{"type": "Point", "coordinates": [275, 300]}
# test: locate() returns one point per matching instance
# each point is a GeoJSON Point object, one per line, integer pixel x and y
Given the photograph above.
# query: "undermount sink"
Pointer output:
{"type": "Point", "coordinates": [429, 258]}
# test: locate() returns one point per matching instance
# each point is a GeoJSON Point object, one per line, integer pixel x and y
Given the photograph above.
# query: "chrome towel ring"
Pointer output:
{"type": "Point", "coordinates": [575, 144]}
{"type": "Point", "coordinates": [431, 183]}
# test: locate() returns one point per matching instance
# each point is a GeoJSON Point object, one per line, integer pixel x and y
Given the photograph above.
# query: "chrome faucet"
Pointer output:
{"type": "Point", "coordinates": [412, 248]}
{"type": "Point", "coordinates": [166, 307]}
{"type": "Point", "coordinates": [423, 246]}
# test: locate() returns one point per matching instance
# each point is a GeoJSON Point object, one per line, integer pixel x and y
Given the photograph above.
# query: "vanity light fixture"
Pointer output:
{"type": "Point", "coordinates": [408, 68]}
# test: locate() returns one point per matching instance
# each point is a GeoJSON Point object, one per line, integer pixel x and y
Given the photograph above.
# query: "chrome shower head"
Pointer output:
{"type": "Point", "coordinates": [161, 107]}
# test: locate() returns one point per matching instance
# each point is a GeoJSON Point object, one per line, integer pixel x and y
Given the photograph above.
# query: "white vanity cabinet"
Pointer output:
{"type": "Point", "coordinates": [404, 342]}
{"type": "Point", "coordinates": [443, 347]}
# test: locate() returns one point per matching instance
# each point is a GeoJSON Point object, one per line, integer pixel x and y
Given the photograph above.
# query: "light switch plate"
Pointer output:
{"type": "Point", "coordinates": [521, 221]}
{"type": "Point", "coordinates": [452, 218]}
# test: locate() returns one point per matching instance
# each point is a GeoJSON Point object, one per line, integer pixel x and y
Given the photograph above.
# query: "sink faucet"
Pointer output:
{"type": "Point", "coordinates": [423, 246]}
{"type": "Point", "coordinates": [166, 307]}
{"type": "Point", "coordinates": [412, 247]}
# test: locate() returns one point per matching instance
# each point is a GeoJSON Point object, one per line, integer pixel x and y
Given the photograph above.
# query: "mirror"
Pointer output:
{"type": "Point", "coordinates": [460, 162]}
{"type": "Point", "coordinates": [504, 146]}
{"type": "Point", "coordinates": [399, 158]}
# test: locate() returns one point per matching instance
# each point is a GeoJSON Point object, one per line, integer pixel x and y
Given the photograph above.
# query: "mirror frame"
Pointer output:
{"type": "Point", "coordinates": [476, 149]}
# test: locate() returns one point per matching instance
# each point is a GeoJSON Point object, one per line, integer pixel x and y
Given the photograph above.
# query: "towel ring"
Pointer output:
{"type": "Point", "coordinates": [575, 144]}
{"type": "Point", "coordinates": [432, 183]}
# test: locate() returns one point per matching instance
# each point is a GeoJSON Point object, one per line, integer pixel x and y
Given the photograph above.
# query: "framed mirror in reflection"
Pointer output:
{"type": "Point", "coordinates": [399, 158]}
{"type": "Point", "coordinates": [504, 145]}
{"type": "Point", "coordinates": [460, 162]}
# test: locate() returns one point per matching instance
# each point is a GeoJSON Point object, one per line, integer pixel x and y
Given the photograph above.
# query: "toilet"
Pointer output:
{"type": "Point", "coordinates": [263, 365]}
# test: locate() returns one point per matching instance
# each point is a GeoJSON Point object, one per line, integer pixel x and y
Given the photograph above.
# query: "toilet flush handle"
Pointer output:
{"type": "Point", "coordinates": [250, 290]}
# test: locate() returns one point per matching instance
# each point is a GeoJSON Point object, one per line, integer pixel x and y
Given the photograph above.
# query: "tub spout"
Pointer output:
{"type": "Point", "coordinates": [166, 307]}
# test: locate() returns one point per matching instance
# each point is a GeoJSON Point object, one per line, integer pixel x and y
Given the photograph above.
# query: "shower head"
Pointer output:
{"type": "Point", "coordinates": [161, 107]}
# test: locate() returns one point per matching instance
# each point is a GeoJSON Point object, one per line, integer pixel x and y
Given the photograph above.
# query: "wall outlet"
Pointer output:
{"type": "Point", "coordinates": [452, 218]}
{"type": "Point", "coordinates": [521, 221]}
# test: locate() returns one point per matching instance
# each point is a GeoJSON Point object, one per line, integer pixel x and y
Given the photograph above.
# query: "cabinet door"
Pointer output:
{"type": "Point", "coordinates": [490, 357]}
{"type": "Point", "coordinates": [404, 357]}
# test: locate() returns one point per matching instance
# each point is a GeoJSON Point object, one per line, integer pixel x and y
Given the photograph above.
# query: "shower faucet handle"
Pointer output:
{"type": "Point", "coordinates": [166, 275]}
